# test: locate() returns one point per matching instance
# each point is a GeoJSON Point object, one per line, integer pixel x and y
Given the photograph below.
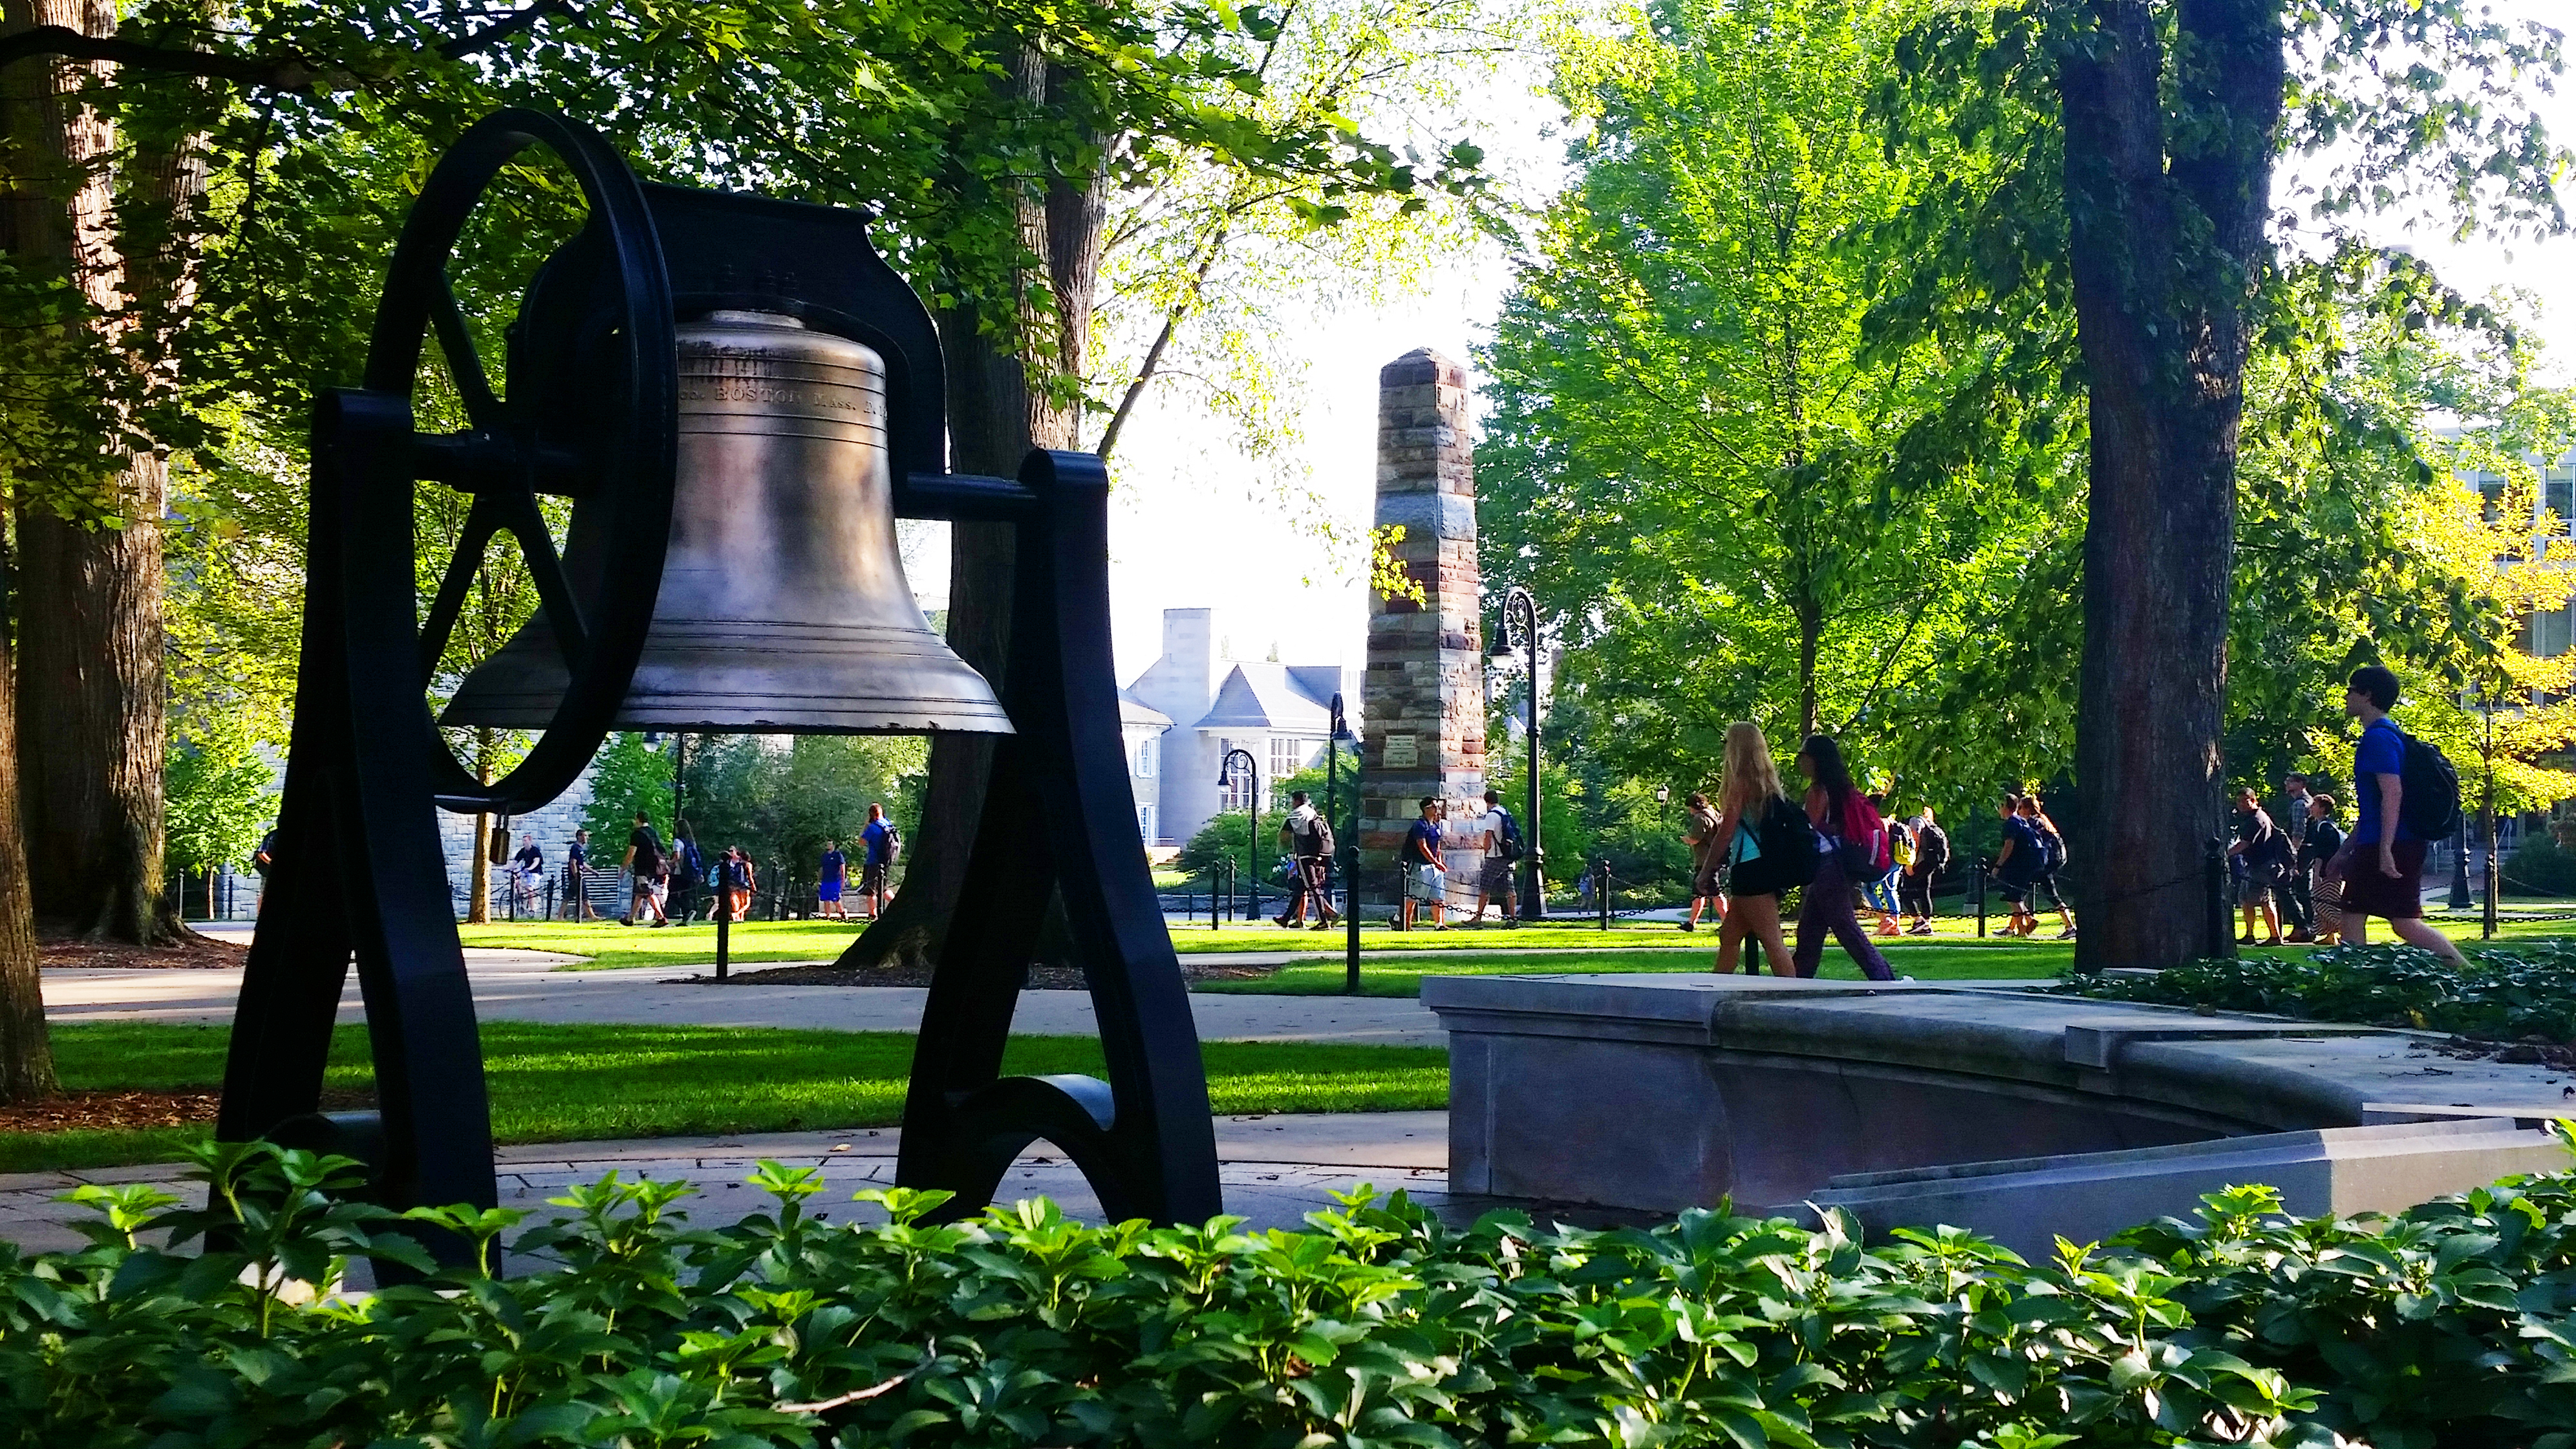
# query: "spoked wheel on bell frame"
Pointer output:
{"type": "Point", "coordinates": [585, 409]}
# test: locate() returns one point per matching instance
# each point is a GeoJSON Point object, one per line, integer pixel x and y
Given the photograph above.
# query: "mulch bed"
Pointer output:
{"type": "Point", "coordinates": [2530, 1051]}
{"type": "Point", "coordinates": [76, 1111]}
{"type": "Point", "coordinates": [1041, 978]}
{"type": "Point", "coordinates": [193, 953]}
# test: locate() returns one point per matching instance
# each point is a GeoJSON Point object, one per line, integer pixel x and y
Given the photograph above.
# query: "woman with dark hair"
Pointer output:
{"type": "Point", "coordinates": [1699, 832]}
{"type": "Point", "coordinates": [2052, 854]}
{"type": "Point", "coordinates": [1849, 827]}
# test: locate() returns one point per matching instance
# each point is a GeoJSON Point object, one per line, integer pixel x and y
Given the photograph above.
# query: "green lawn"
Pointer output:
{"type": "Point", "coordinates": [1949, 957]}
{"type": "Point", "coordinates": [610, 945]}
{"type": "Point", "coordinates": [585, 1083]}
{"type": "Point", "coordinates": [1380, 976]}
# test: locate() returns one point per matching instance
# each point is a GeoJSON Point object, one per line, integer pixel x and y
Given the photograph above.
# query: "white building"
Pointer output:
{"type": "Point", "coordinates": [1281, 713]}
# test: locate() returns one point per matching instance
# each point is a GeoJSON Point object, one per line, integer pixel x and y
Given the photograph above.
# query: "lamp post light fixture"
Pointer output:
{"type": "Point", "coordinates": [1518, 600]}
{"type": "Point", "coordinates": [1252, 794]}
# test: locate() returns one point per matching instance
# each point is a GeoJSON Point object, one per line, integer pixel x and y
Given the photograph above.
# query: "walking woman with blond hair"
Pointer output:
{"type": "Point", "coordinates": [1759, 873]}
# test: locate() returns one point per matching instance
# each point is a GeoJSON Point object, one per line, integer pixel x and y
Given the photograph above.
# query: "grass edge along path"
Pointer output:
{"type": "Point", "coordinates": [556, 1083]}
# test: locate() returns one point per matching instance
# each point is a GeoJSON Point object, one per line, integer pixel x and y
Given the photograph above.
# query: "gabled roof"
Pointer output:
{"type": "Point", "coordinates": [1134, 711]}
{"type": "Point", "coordinates": [1276, 697]}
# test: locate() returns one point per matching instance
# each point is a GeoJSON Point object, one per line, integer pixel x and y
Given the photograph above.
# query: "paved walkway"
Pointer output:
{"type": "Point", "coordinates": [524, 986]}
{"type": "Point", "coordinates": [1275, 1169]}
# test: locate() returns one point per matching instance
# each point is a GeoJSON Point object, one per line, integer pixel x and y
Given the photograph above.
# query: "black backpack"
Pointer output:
{"type": "Point", "coordinates": [2052, 846]}
{"type": "Point", "coordinates": [2430, 807]}
{"type": "Point", "coordinates": [1788, 842]}
{"type": "Point", "coordinates": [1508, 846]}
{"type": "Point", "coordinates": [1931, 850]}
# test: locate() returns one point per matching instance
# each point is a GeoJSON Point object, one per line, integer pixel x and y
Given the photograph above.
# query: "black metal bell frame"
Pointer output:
{"type": "Point", "coordinates": [590, 413]}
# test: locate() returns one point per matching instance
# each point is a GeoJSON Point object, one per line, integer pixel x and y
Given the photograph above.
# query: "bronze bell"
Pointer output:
{"type": "Point", "coordinates": [783, 606]}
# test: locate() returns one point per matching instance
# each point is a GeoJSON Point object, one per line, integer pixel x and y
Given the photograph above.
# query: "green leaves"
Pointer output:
{"type": "Point", "coordinates": [2505, 993]}
{"type": "Point", "coordinates": [1378, 1326]}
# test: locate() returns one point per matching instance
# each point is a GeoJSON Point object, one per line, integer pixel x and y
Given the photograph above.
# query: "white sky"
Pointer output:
{"type": "Point", "coordinates": [1189, 530]}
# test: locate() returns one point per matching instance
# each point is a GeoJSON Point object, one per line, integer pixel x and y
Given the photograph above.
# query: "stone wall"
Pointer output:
{"type": "Point", "coordinates": [1424, 692]}
{"type": "Point", "coordinates": [552, 823]}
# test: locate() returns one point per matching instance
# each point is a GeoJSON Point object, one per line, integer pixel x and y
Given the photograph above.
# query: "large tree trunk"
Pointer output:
{"type": "Point", "coordinates": [2165, 240]}
{"type": "Point", "coordinates": [26, 1052]}
{"type": "Point", "coordinates": [995, 415]}
{"type": "Point", "coordinates": [89, 708]}
{"type": "Point", "coordinates": [90, 719]}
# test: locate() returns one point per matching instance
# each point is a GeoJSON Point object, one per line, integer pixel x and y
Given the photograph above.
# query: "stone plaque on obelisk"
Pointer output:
{"type": "Point", "coordinates": [1423, 702]}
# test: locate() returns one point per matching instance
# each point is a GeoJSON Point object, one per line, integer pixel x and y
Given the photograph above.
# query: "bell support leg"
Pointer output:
{"type": "Point", "coordinates": [360, 870]}
{"type": "Point", "coordinates": [1060, 815]}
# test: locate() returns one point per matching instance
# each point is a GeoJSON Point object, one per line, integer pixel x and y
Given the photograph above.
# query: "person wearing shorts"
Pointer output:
{"type": "Point", "coordinates": [2380, 868]}
{"type": "Point", "coordinates": [2261, 848]}
{"type": "Point", "coordinates": [2323, 843]}
{"type": "Point", "coordinates": [1708, 858]}
{"type": "Point", "coordinates": [1494, 872]}
{"type": "Point", "coordinates": [1426, 879]}
{"type": "Point", "coordinates": [2017, 867]}
{"type": "Point", "coordinates": [876, 852]}
{"type": "Point", "coordinates": [1750, 794]}
{"type": "Point", "coordinates": [827, 882]}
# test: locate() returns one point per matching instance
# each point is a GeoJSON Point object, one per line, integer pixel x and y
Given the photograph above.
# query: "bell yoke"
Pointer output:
{"type": "Point", "coordinates": [740, 397]}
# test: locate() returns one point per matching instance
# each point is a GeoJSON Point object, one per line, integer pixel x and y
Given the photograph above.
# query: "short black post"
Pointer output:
{"type": "Point", "coordinates": [2222, 935]}
{"type": "Point", "coordinates": [1350, 845]}
{"type": "Point", "coordinates": [1979, 881]}
{"type": "Point", "coordinates": [2495, 878]}
{"type": "Point", "coordinates": [724, 920]}
{"type": "Point", "coordinates": [1601, 889]}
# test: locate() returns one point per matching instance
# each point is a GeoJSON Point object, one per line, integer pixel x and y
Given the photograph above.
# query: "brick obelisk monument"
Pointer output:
{"type": "Point", "coordinates": [1423, 702]}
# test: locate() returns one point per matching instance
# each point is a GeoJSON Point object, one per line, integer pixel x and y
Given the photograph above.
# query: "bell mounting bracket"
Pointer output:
{"type": "Point", "coordinates": [588, 410]}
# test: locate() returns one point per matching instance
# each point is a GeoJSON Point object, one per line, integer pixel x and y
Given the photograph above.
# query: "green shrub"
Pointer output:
{"type": "Point", "coordinates": [2540, 866]}
{"type": "Point", "coordinates": [2447, 1326]}
{"type": "Point", "coordinates": [2501, 995]}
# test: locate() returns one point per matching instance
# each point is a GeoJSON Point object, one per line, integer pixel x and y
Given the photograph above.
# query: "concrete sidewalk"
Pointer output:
{"type": "Point", "coordinates": [524, 986]}
{"type": "Point", "coordinates": [1275, 1169]}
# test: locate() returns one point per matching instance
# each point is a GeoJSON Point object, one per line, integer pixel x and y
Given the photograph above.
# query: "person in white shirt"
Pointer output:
{"type": "Point", "coordinates": [1495, 878]}
{"type": "Point", "coordinates": [1309, 846]}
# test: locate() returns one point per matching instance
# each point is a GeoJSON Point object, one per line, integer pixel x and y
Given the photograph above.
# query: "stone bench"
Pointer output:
{"type": "Point", "coordinates": [1668, 1091]}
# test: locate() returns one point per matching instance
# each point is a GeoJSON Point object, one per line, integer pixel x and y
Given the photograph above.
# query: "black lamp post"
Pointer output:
{"type": "Point", "coordinates": [2459, 900]}
{"type": "Point", "coordinates": [1519, 600]}
{"type": "Point", "coordinates": [1339, 732]}
{"type": "Point", "coordinates": [1252, 784]}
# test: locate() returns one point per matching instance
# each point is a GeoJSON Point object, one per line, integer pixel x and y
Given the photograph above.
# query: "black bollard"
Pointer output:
{"type": "Point", "coordinates": [2222, 932]}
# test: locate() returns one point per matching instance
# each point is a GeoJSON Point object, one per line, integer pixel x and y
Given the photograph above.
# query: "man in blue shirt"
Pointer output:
{"type": "Point", "coordinates": [2017, 865]}
{"type": "Point", "coordinates": [1426, 875]}
{"type": "Point", "coordinates": [2381, 863]}
{"type": "Point", "coordinates": [827, 882]}
{"type": "Point", "coordinates": [877, 850]}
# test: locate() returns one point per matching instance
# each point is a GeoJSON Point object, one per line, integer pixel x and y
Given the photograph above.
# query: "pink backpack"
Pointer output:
{"type": "Point", "coordinates": [1863, 825]}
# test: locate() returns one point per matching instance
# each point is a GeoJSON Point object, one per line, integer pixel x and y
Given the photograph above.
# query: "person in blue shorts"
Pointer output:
{"type": "Point", "coordinates": [827, 882]}
{"type": "Point", "coordinates": [2381, 865]}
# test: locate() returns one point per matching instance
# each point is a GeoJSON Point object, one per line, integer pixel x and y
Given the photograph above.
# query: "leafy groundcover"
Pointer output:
{"type": "Point", "coordinates": [2447, 1326]}
{"type": "Point", "coordinates": [2522, 993]}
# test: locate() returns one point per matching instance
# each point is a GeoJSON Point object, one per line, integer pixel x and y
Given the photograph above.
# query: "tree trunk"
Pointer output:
{"type": "Point", "coordinates": [478, 875]}
{"type": "Point", "coordinates": [478, 890]}
{"type": "Point", "coordinates": [89, 707]}
{"type": "Point", "coordinates": [1811, 628]}
{"type": "Point", "coordinates": [2165, 241]}
{"type": "Point", "coordinates": [26, 1051]}
{"type": "Point", "coordinates": [995, 415]}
